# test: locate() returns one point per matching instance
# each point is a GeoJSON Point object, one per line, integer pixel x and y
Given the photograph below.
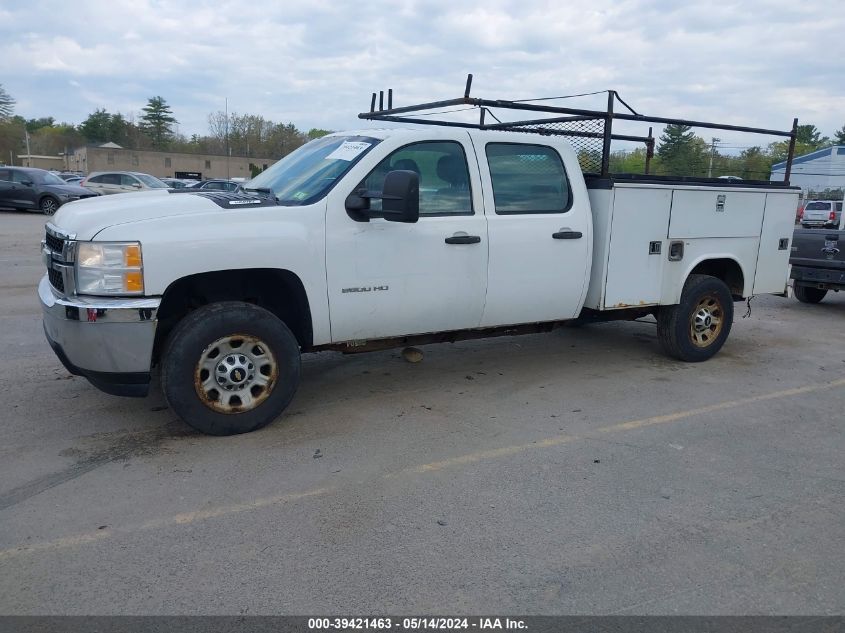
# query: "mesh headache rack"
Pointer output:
{"type": "Point", "coordinates": [590, 132]}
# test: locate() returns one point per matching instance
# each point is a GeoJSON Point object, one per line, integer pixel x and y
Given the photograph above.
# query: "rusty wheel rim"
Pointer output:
{"type": "Point", "coordinates": [235, 374]}
{"type": "Point", "coordinates": [706, 322]}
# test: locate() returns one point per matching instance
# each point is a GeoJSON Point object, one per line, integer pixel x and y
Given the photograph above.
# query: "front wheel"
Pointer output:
{"type": "Point", "coordinates": [230, 368]}
{"type": "Point", "coordinates": [806, 294]}
{"type": "Point", "coordinates": [49, 205]}
{"type": "Point", "coordinates": [696, 328]}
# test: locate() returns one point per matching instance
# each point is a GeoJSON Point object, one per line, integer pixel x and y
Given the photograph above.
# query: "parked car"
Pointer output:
{"type": "Point", "coordinates": [73, 180]}
{"type": "Point", "coordinates": [174, 183]}
{"type": "Point", "coordinates": [216, 184]}
{"type": "Point", "coordinates": [106, 182]}
{"type": "Point", "coordinates": [67, 176]}
{"type": "Point", "coordinates": [824, 213]}
{"type": "Point", "coordinates": [30, 188]}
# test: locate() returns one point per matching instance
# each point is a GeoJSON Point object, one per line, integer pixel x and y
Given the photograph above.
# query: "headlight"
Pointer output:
{"type": "Point", "coordinates": [109, 268]}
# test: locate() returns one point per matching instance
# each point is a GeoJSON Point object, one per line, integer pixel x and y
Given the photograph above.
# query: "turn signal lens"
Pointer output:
{"type": "Point", "coordinates": [133, 282]}
{"type": "Point", "coordinates": [132, 255]}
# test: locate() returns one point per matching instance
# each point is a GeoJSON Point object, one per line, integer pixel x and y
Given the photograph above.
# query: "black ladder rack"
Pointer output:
{"type": "Point", "coordinates": [589, 131]}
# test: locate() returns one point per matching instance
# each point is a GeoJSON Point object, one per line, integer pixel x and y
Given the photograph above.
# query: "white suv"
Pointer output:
{"type": "Point", "coordinates": [105, 182]}
{"type": "Point", "coordinates": [824, 213]}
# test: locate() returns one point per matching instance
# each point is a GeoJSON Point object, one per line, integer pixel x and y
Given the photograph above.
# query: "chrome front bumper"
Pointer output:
{"type": "Point", "coordinates": [109, 341]}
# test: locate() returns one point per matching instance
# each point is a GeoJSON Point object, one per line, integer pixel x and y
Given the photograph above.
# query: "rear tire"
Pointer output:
{"type": "Point", "coordinates": [806, 294]}
{"type": "Point", "coordinates": [696, 328]}
{"type": "Point", "coordinates": [230, 368]}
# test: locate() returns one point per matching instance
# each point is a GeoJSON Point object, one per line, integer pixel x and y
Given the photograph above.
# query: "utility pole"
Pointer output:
{"type": "Point", "coordinates": [228, 151]}
{"type": "Point", "coordinates": [28, 153]}
{"type": "Point", "coordinates": [713, 142]}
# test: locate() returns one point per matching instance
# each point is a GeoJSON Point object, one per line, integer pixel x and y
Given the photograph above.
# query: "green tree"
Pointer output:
{"type": "Point", "coordinates": [96, 128]}
{"type": "Point", "coordinates": [810, 135]}
{"type": "Point", "coordinates": [33, 125]}
{"type": "Point", "coordinates": [7, 104]}
{"type": "Point", "coordinates": [317, 133]}
{"type": "Point", "coordinates": [157, 122]}
{"type": "Point", "coordinates": [755, 164]}
{"type": "Point", "coordinates": [839, 136]}
{"type": "Point", "coordinates": [628, 162]}
{"type": "Point", "coordinates": [681, 152]}
{"type": "Point", "coordinates": [12, 133]}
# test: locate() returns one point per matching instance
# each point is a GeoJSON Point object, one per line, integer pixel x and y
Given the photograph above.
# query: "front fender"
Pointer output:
{"type": "Point", "coordinates": [289, 238]}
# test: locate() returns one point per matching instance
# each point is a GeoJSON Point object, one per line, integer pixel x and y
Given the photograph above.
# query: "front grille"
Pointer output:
{"type": "Point", "coordinates": [55, 244]}
{"type": "Point", "coordinates": [56, 279]}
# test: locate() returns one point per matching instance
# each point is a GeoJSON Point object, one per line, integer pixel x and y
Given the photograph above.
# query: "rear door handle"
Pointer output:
{"type": "Point", "coordinates": [567, 235]}
{"type": "Point", "coordinates": [463, 239]}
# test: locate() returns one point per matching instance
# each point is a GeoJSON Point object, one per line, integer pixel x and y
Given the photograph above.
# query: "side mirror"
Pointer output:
{"type": "Point", "coordinates": [137, 185]}
{"type": "Point", "coordinates": [26, 183]}
{"type": "Point", "coordinates": [400, 197]}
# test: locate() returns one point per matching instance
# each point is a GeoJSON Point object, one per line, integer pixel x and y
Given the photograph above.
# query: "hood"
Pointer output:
{"type": "Point", "coordinates": [88, 217]}
{"type": "Point", "coordinates": [69, 190]}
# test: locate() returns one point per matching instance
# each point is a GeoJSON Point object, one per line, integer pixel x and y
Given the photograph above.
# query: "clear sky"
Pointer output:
{"type": "Point", "coordinates": [315, 63]}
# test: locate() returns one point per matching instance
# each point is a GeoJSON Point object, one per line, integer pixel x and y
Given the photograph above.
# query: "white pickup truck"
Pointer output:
{"type": "Point", "coordinates": [392, 237]}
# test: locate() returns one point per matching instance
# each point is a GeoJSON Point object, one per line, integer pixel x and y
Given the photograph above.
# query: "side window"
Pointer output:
{"type": "Point", "coordinates": [128, 181]}
{"type": "Point", "coordinates": [20, 176]}
{"type": "Point", "coordinates": [5, 174]}
{"type": "Point", "coordinates": [97, 179]}
{"type": "Point", "coordinates": [527, 179]}
{"type": "Point", "coordinates": [444, 177]}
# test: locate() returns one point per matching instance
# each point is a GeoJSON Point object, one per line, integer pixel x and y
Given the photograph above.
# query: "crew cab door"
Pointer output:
{"type": "Point", "coordinates": [388, 279]}
{"type": "Point", "coordinates": [13, 192]}
{"type": "Point", "coordinates": [540, 230]}
{"type": "Point", "coordinates": [7, 189]}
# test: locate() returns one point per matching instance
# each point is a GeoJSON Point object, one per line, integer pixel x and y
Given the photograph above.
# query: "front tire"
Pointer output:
{"type": "Point", "coordinates": [48, 205]}
{"type": "Point", "coordinates": [230, 368]}
{"type": "Point", "coordinates": [806, 294]}
{"type": "Point", "coordinates": [696, 328]}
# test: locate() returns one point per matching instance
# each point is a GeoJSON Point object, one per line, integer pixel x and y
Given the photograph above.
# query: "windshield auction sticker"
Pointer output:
{"type": "Point", "coordinates": [348, 150]}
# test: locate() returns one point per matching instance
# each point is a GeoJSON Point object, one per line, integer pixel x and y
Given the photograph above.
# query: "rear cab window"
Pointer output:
{"type": "Point", "coordinates": [527, 179]}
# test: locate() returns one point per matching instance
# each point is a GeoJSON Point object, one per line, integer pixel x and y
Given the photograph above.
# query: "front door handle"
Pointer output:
{"type": "Point", "coordinates": [567, 235]}
{"type": "Point", "coordinates": [463, 239]}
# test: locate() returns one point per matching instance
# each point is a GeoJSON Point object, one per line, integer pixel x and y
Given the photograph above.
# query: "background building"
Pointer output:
{"type": "Point", "coordinates": [816, 171]}
{"type": "Point", "coordinates": [111, 157]}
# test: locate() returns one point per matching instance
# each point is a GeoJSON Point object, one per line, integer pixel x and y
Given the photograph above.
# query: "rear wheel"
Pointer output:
{"type": "Point", "coordinates": [806, 294]}
{"type": "Point", "coordinates": [696, 328]}
{"type": "Point", "coordinates": [230, 368]}
{"type": "Point", "coordinates": [48, 205]}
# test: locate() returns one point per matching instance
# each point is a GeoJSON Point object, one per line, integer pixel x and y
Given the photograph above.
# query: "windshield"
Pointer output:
{"type": "Point", "coordinates": [150, 181]}
{"type": "Point", "coordinates": [307, 174]}
{"type": "Point", "coordinates": [818, 206]}
{"type": "Point", "coordinates": [51, 179]}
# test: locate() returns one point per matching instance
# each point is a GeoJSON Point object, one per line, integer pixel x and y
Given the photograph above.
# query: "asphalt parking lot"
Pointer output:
{"type": "Point", "coordinates": [574, 472]}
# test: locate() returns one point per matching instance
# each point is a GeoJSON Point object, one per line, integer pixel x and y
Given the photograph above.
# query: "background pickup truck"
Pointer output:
{"type": "Point", "coordinates": [818, 263]}
{"type": "Point", "coordinates": [390, 237]}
